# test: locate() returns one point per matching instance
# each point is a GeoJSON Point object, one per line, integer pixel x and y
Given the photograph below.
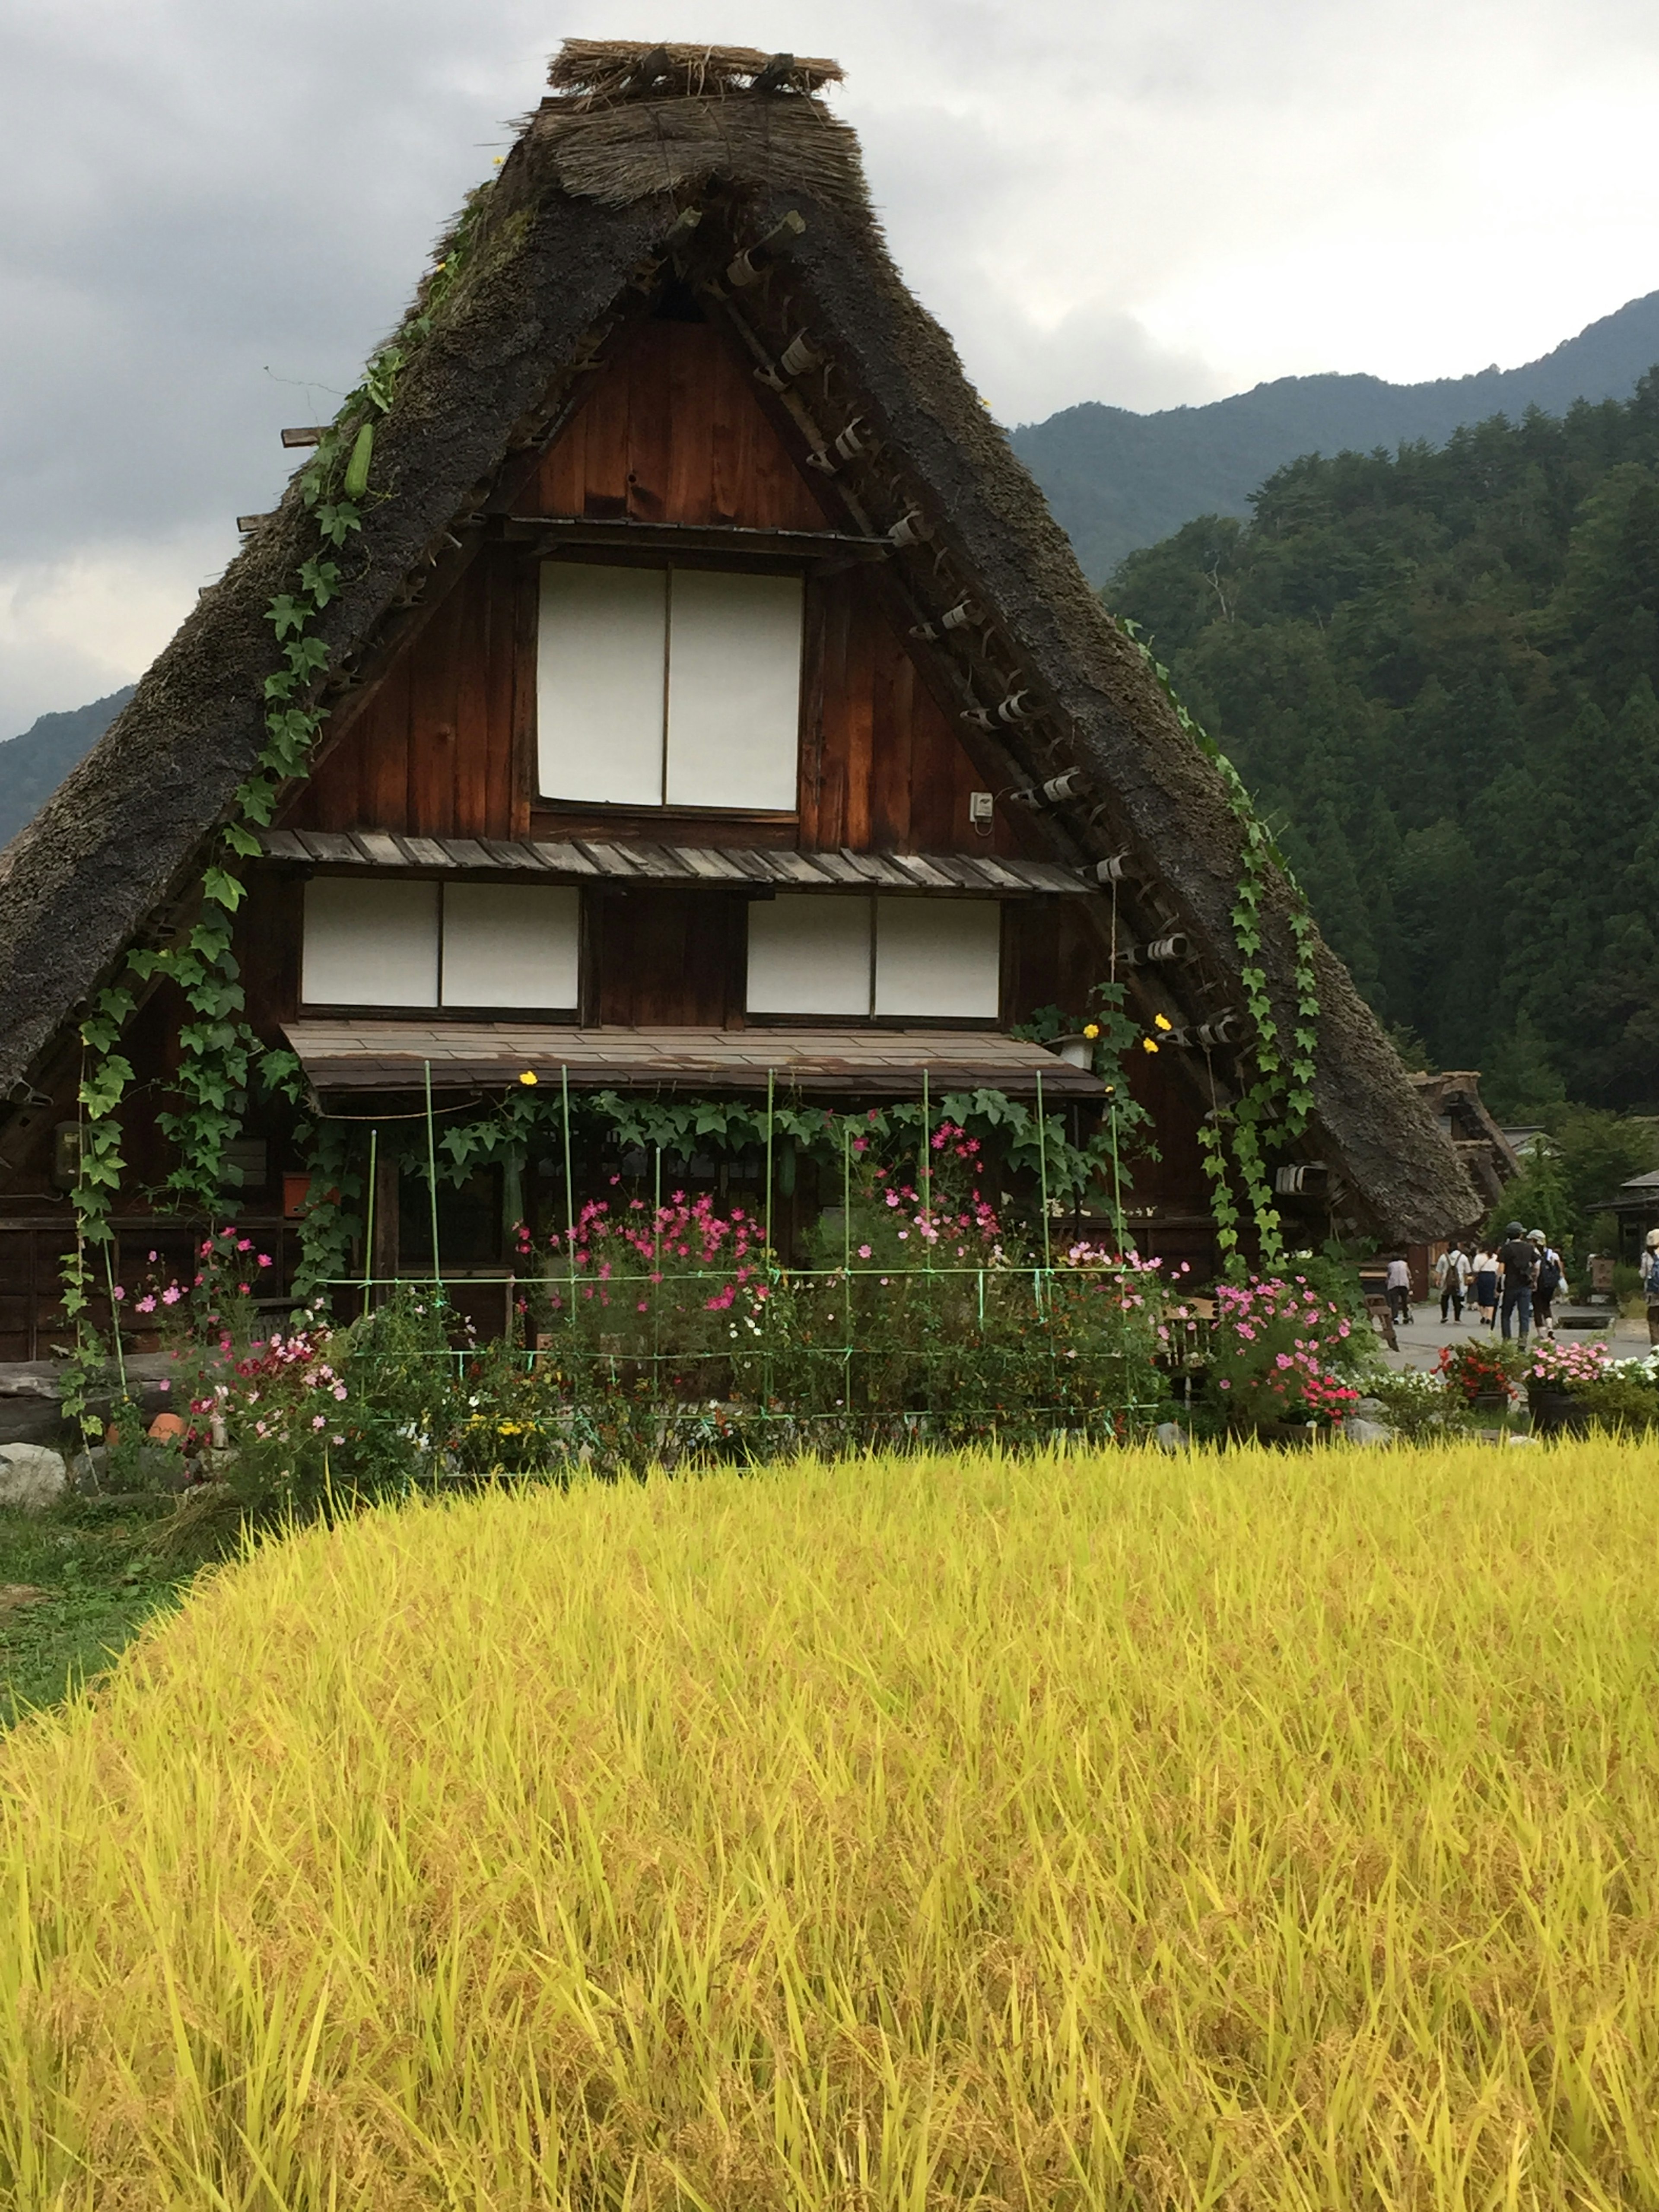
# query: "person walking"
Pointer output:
{"type": "Point", "coordinates": [1400, 1289]}
{"type": "Point", "coordinates": [1485, 1285]}
{"type": "Point", "coordinates": [1650, 1283]}
{"type": "Point", "coordinates": [1451, 1275]}
{"type": "Point", "coordinates": [1548, 1283]}
{"type": "Point", "coordinates": [1518, 1258]}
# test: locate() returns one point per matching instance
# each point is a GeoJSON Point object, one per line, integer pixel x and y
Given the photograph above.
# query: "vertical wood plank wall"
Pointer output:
{"type": "Point", "coordinates": [673, 432]}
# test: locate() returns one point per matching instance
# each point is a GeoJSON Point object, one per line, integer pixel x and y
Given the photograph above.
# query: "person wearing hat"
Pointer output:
{"type": "Point", "coordinates": [1650, 1283]}
{"type": "Point", "coordinates": [1548, 1282]}
{"type": "Point", "coordinates": [1518, 1258]}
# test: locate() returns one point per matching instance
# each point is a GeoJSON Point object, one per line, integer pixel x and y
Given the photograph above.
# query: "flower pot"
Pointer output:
{"type": "Point", "coordinates": [1556, 1413]}
{"type": "Point", "coordinates": [1280, 1436]}
{"type": "Point", "coordinates": [1490, 1401]}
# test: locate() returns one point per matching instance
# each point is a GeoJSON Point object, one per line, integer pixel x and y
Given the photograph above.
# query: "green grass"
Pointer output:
{"type": "Point", "coordinates": [99, 1582]}
{"type": "Point", "coordinates": [1105, 1833]}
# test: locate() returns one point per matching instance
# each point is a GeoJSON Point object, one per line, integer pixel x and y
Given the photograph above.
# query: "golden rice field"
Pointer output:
{"type": "Point", "coordinates": [1234, 1830]}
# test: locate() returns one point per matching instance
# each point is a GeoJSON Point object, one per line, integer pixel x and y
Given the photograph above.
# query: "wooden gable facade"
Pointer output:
{"type": "Point", "coordinates": [712, 709]}
{"type": "Point", "coordinates": [674, 463]}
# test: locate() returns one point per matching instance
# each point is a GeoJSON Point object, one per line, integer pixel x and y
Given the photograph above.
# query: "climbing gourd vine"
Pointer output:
{"type": "Point", "coordinates": [1281, 1092]}
{"type": "Point", "coordinates": [220, 1056]}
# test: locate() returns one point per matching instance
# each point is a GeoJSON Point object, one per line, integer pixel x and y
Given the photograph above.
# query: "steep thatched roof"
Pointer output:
{"type": "Point", "coordinates": [560, 250]}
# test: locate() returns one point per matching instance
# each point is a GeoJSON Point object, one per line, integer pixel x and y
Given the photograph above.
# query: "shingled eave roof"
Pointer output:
{"type": "Point", "coordinates": [587, 196]}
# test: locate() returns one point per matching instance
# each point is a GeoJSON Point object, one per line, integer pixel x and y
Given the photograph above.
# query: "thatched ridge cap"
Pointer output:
{"type": "Point", "coordinates": [602, 70]}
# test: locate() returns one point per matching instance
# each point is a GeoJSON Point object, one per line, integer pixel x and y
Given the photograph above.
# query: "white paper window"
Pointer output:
{"type": "Point", "coordinates": [370, 944]}
{"type": "Point", "coordinates": [922, 959]}
{"type": "Point", "coordinates": [600, 682]}
{"type": "Point", "coordinates": [809, 955]}
{"type": "Point", "coordinates": [733, 690]}
{"type": "Point", "coordinates": [939, 957]}
{"type": "Point", "coordinates": [669, 688]}
{"type": "Point", "coordinates": [510, 944]}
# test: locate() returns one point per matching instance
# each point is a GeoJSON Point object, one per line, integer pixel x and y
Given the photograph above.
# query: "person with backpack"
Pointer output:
{"type": "Point", "coordinates": [1548, 1284]}
{"type": "Point", "coordinates": [1451, 1275]}
{"type": "Point", "coordinates": [1650, 1283]}
{"type": "Point", "coordinates": [1517, 1255]}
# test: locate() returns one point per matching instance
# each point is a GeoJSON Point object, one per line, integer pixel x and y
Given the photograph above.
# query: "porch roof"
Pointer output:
{"type": "Point", "coordinates": [640, 861]}
{"type": "Point", "coordinates": [381, 1055]}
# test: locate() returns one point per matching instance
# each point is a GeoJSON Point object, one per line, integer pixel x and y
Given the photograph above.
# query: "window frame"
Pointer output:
{"type": "Point", "coordinates": [436, 1007]}
{"type": "Point", "coordinates": [872, 900]}
{"type": "Point", "coordinates": [663, 808]}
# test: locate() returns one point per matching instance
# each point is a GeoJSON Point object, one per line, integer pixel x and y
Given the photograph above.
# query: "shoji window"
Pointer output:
{"type": "Point", "coordinates": [920, 959]}
{"type": "Point", "coordinates": [809, 955]}
{"type": "Point", "coordinates": [370, 944]}
{"type": "Point", "coordinates": [940, 958]}
{"type": "Point", "coordinates": [669, 687]}
{"type": "Point", "coordinates": [509, 945]}
{"type": "Point", "coordinates": [401, 944]}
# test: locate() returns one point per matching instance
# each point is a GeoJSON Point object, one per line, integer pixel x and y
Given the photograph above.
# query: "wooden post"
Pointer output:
{"type": "Point", "coordinates": [383, 1253]}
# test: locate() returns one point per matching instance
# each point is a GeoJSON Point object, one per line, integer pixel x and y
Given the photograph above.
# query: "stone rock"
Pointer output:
{"type": "Point", "coordinates": [1373, 1409]}
{"type": "Point", "coordinates": [1359, 1430]}
{"type": "Point", "coordinates": [1169, 1436]}
{"type": "Point", "coordinates": [32, 1477]}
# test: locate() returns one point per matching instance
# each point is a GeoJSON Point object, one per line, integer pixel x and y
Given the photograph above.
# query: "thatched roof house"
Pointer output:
{"type": "Point", "coordinates": [634, 190]}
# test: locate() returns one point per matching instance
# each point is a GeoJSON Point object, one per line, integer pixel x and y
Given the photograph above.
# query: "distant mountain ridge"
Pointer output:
{"type": "Point", "coordinates": [1117, 481]}
{"type": "Point", "coordinates": [32, 766]}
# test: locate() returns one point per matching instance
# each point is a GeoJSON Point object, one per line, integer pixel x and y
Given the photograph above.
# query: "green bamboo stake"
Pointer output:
{"type": "Point", "coordinates": [1043, 1166]}
{"type": "Point", "coordinates": [656, 1287]}
{"type": "Point", "coordinates": [771, 1082]}
{"type": "Point", "coordinates": [368, 1222]}
{"type": "Point", "coordinates": [570, 1203]}
{"type": "Point", "coordinates": [432, 1184]}
{"type": "Point", "coordinates": [846, 1269]}
{"type": "Point", "coordinates": [926, 1176]}
{"type": "Point", "coordinates": [114, 1310]}
{"type": "Point", "coordinates": [1117, 1184]}
{"type": "Point", "coordinates": [770, 1254]}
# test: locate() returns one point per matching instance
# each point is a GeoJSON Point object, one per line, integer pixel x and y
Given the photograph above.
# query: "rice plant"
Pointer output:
{"type": "Point", "coordinates": [1113, 1830]}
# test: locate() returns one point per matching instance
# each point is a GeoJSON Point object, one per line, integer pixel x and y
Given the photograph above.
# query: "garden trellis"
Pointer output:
{"type": "Point", "coordinates": [650, 1322]}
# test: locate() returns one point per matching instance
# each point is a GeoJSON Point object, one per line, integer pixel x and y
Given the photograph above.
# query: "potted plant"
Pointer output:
{"type": "Point", "coordinates": [1553, 1374]}
{"type": "Point", "coordinates": [1480, 1372]}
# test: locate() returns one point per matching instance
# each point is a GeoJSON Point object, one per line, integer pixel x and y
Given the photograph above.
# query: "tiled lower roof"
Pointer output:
{"type": "Point", "coordinates": [586, 857]}
{"type": "Point", "coordinates": [393, 1054]}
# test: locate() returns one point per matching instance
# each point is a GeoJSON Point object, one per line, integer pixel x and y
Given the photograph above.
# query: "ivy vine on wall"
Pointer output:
{"type": "Point", "coordinates": [222, 1059]}
{"type": "Point", "coordinates": [1280, 1095]}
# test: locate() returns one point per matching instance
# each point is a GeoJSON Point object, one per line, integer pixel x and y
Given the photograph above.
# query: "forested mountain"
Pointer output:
{"type": "Point", "coordinates": [32, 766]}
{"type": "Point", "coordinates": [1118, 481]}
{"type": "Point", "coordinates": [1437, 672]}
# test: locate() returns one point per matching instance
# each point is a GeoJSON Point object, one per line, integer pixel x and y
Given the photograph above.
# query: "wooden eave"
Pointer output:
{"type": "Point", "coordinates": [730, 866]}
{"type": "Point", "coordinates": [390, 1055]}
{"type": "Point", "coordinates": [816, 551]}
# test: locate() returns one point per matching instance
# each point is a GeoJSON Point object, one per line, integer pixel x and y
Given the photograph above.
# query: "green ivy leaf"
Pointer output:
{"type": "Point", "coordinates": [321, 579]}
{"type": "Point", "coordinates": [222, 888]}
{"type": "Point", "coordinates": [286, 614]}
{"type": "Point", "coordinates": [337, 519]}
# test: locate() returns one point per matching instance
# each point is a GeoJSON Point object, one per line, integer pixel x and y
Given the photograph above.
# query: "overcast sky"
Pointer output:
{"type": "Point", "coordinates": [213, 207]}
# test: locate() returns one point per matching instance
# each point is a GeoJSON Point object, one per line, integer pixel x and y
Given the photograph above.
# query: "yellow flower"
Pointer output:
{"type": "Point", "coordinates": [529, 1075]}
{"type": "Point", "coordinates": [1162, 1022]}
{"type": "Point", "coordinates": [1091, 1030]}
{"type": "Point", "coordinates": [1149, 1044]}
